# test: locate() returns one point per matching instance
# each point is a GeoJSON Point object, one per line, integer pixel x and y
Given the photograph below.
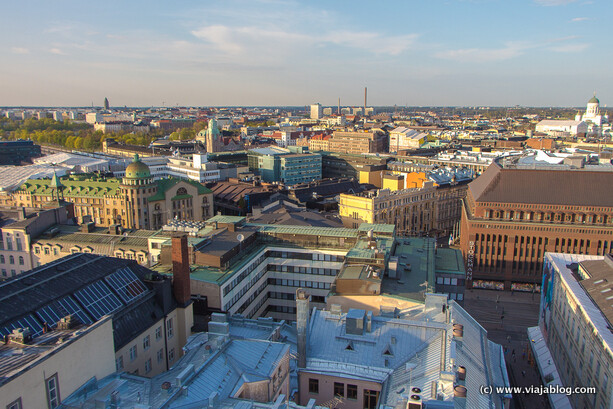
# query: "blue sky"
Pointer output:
{"type": "Point", "coordinates": [278, 52]}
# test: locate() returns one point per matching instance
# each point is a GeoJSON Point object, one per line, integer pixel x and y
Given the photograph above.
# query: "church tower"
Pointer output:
{"type": "Point", "coordinates": [213, 137]}
{"type": "Point", "coordinates": [137, 187]}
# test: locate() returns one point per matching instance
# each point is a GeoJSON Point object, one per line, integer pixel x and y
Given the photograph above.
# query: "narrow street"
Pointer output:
{"type": "Point", "coordinates": [520, 311]}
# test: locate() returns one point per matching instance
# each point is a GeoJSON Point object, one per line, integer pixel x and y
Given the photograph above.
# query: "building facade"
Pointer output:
{"type": "Point", "coordinates": [511, 216]}
{"type": "Point", "coordinates": [281, 165]}
{"type": "Point", "coordinates": [136, 201]}
{"type": "Point", "coordinates": [358, 142]}
{"type": "Point", "coordinates": [573, 343]}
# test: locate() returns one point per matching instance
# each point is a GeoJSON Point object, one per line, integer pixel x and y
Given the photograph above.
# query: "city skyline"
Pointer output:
{"type": "Point", "coordinates": [285, 53]}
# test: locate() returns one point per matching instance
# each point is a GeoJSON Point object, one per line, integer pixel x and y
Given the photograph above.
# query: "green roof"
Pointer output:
{"type": "Point", "coordinates": [179, 197]}
{"type": "Point", "coordinates": [225, 219]}
{"type": "Point", "coordinates": [419, 254]}
{"type": "Point", "coordinates": [377, 228]}
{"type": "Point", "coordinates": [305, 230]}
{"type": "Point", "coordinates": [74, 187]}
{"type": "Point", "coordinates": [449, 261]}
{"type": "Point", "coordinates": [164, 184]}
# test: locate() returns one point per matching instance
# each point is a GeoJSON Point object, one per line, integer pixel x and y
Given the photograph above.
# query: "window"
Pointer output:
{"type": "Point", "coordinates": [53, 392]}
{"type": "Point", "coordinates": [148, 365]}
{"type": "Point", "coordinates": [15, 404]}
{"type": "Point", "coordinates": [119, 363]}
{"type": "Point", "coordinates": [313, 385]}
{"type": "Point", "coordinates": [352, 392]}
{"type": "Point", "coordinates": [21, 260]}
{"type": "Point", "coordinates": [370, 399]}
{"type": "Point", "coordinates": [339, 389]}
{"type": "Point", "coordinates": [171, 355]}
{"type": "Point", "coordinates": [2, 258]}
{"type": "Point", "coordinates": [133, 353]}
{"type": "Point", "coordinates": [37, 250]}
{"type": "Point", "coordinates": [160, 355]}
{"type": "Point", "coordinates": [55, 251]}
{"type": "Point", "coordinates": [158, 333]}
{"type": "Point", "coordinates": [146, 342]}
{"type": "Point", "coordinates": [169, 330]}
{"type": "Point", "coordinates": [11, 259]}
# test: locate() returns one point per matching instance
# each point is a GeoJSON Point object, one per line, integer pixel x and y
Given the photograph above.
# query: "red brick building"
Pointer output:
{"type": "Point", "coordinates": [511, 216]}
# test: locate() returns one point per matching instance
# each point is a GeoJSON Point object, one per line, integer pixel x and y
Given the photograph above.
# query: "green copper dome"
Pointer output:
{"type": "Point", "coordinates": [594, 100]}
{"type": "Point", "coordinates": [137, 169]}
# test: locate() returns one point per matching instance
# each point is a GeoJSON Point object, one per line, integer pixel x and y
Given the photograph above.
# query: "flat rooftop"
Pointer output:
{"type": "Point", "coordinates": [415, 269]}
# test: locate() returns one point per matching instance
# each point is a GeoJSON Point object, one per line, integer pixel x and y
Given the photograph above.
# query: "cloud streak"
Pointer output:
{"type": "Point", "coordinates": [20, 50]}
{"type": "Point", "coordinates": [549, 3]}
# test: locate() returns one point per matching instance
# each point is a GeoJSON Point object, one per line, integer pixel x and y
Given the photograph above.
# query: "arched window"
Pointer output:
{"type": "Point", "coordinates": [21, 260]}
{"type": "Point", "coordinates": [2, 258]}
{"type": "Point", "coordinates": [157, 206]}
{"type": "Point", "coordinates": [181, 191]}
{"type": "Point", "coordinates": [11, 259]}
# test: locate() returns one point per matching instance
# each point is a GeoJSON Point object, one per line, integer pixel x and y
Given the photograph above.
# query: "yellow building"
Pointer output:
{"type": "Point", "coordinates": [410, 210]}
{"type": "Point", "coordinates": [411, 201]}
{"type": "Point", "coordinates": [134, 202]}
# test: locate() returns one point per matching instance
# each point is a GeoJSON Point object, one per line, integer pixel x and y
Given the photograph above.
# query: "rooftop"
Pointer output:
{"type": "Point", "coordinates": [15, 358]}
{"type": "Point", "coordinates": [416, 269]}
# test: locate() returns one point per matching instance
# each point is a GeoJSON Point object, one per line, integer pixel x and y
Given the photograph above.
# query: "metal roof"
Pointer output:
{"type": "Point", "coordinates": [306, 230]}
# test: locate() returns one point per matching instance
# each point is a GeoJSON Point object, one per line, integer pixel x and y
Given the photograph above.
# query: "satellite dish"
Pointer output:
{"type": "Point", "coordinates": [240, 238]}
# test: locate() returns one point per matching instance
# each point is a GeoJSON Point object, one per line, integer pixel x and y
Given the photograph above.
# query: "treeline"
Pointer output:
{"type": "Point", "coordinates": [70, 135]}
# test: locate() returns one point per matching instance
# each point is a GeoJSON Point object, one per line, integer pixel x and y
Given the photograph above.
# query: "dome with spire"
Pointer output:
{"type": "Point", "coordinates": [594, 100]}
{"type": "Point", "coordinates": [137, 169]}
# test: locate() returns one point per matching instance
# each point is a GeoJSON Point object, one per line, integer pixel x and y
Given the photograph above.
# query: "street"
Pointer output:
{"type": "Point", "coordinates": [506, 316]}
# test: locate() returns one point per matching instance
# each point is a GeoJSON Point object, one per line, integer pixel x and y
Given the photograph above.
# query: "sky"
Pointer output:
{"type": "Point", "coordinates": [284, 52]}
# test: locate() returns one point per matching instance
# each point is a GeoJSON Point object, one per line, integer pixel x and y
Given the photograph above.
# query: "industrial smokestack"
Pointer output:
{"type": "Point", "coordinates": [365, 99]}
{"type": "Point", "coordinates": [180, 270]}
{"type": "Point", "coordinates": [339, 106]}
{"type": "Point", "coordinates": [302, 319]}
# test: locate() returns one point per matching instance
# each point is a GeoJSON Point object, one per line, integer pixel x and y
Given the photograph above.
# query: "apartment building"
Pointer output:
{"type": "Point", "coordinates": [573, 343]}
{"type": "Point", "coordinates": [358, 142]}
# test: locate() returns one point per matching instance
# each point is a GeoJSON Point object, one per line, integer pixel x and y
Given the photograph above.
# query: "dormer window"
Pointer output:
{"type": "Point", "coordinates": [388, 351]}
{"type": "Point", "coordinates": [349, 346]}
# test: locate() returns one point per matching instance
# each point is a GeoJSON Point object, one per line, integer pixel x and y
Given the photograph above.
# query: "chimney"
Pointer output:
{"type": "Point", "coordinates": [180, 270]}
{"type": "Point", "coordinates": [302, 319]}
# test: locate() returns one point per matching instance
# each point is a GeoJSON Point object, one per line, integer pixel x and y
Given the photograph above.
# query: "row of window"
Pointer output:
{"type": "Point", "coordinates": [11, 260]}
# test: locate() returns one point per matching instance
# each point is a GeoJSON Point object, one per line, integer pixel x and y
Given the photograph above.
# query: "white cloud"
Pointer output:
{"type": "Point", "coordinates": [554, 2]}
{"type": "Point", "coordinates": [20, 50]}
{"type": "Point", "coordinates": [570, 48]}
{"type": "Point", "coordinates": [56, 51]}
{"type": "Point", "coordinates": [576, 19]}
{"type": "Point", "coordinates": [240, 39]}
{"type": "Point", "coordinates": [510, 50]}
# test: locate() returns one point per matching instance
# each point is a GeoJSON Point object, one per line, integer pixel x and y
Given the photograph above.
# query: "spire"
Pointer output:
{"type": "Point", "coordinates": [55, 181]}
{"type": "Point", "coordinates": [136, 158]}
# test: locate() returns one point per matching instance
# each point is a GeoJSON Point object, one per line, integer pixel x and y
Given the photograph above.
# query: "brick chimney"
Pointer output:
{"type": "Point", "coordinates": [180, 270]}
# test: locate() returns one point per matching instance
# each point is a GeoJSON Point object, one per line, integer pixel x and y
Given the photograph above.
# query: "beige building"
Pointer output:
{"type": "Point", "coordinates": [573, 343]}
{"type": "Point", "coordinates": [358, 142]}
{"type": "Point", "coordinates": [412, 211]}
{"type": "Point", "coordinates": [134, 202]}
{"type": "Point", "coordinates": [39, 372]}
{"type": "Point", "coordinates": [16, 239]}
{"type": "Point", "coordinates": [403, 138]}
{"type": "Point", "coordinates": [64, 240]}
